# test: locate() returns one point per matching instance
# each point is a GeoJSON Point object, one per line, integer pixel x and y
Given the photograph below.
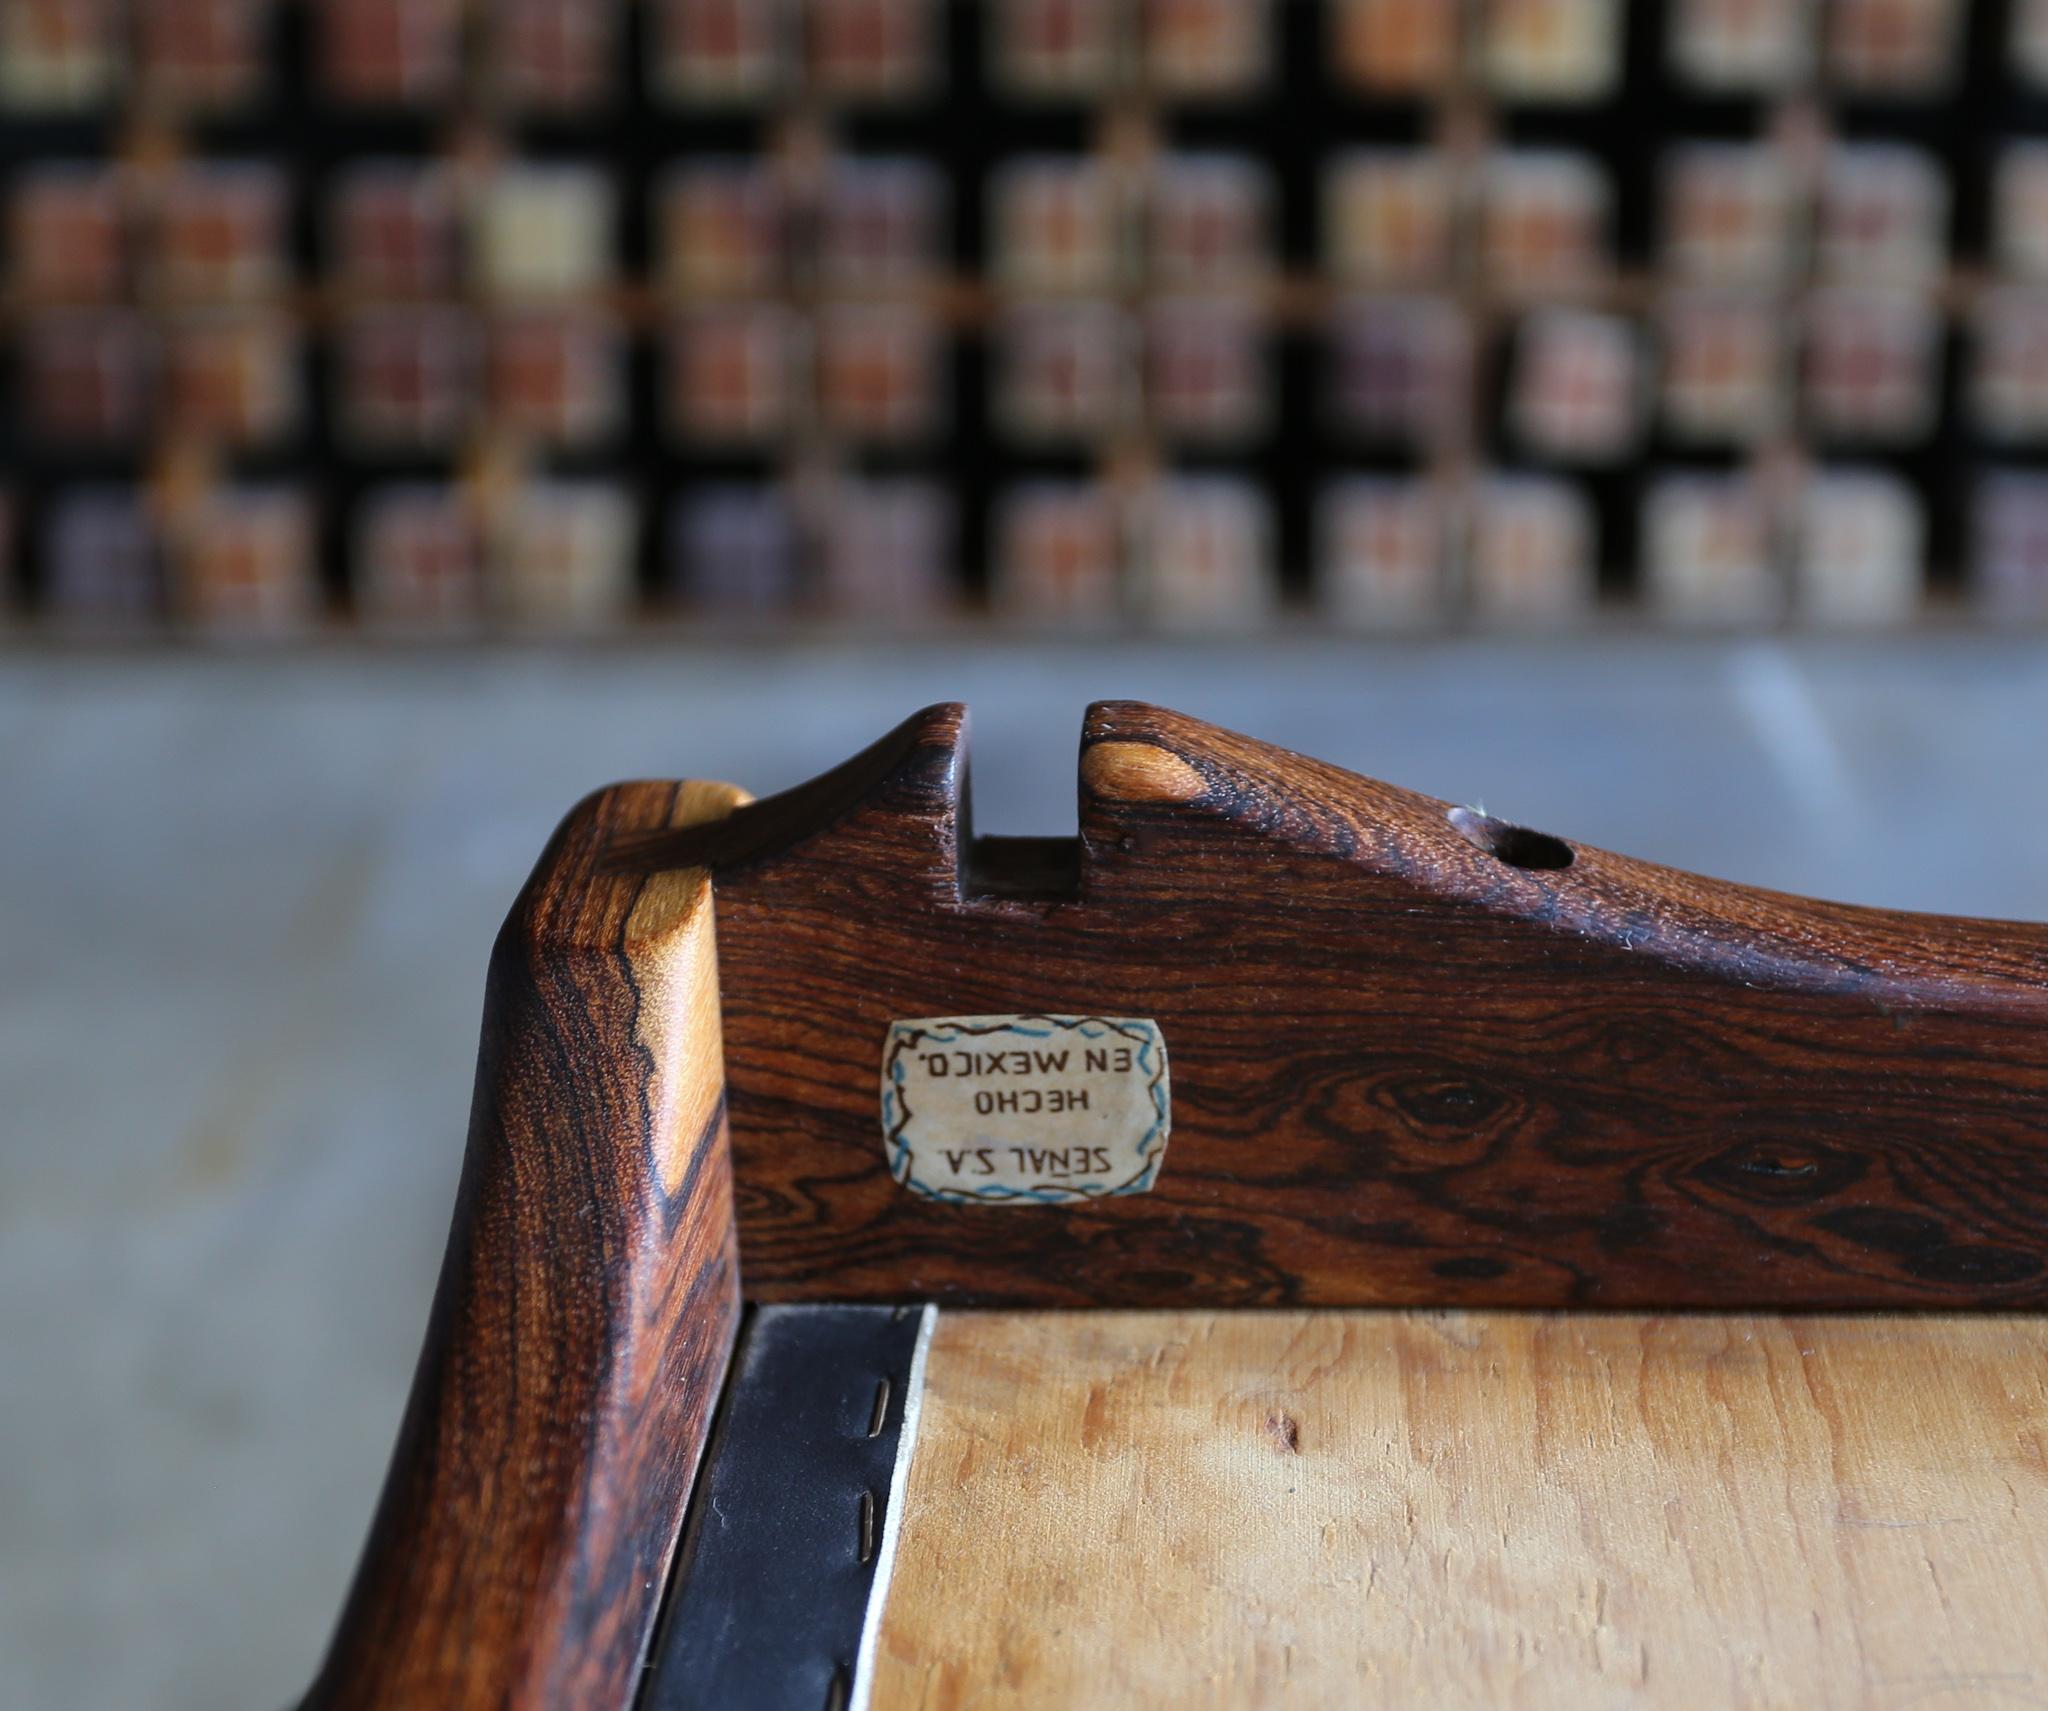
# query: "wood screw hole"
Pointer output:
{"type": "Point", "coordinates": [1518, 846]}
{"type": "Point", "coordinates": [880, 1415]}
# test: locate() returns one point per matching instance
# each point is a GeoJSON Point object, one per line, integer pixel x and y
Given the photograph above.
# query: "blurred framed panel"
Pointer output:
{"type": "Point", "coordinates": [88, 377]}
{"type": "Point", "coordinates": [880, 374]}
{"type": "Point", "coordinates": [1207, 50]}
{"type": "Point", "coordinates": [881, 223]}
{"type": "Point", "coordinates": [720, 53]}
{"type": "Point", "coordinates": [1723, 367]}
{"type": "Point", "coordinates": [393, 231]}
{"type": "Point", "coordinates": [2009, 366]}
{"type": "Point", "coordinates": [1576, 388]}
{"type": "Point", "coordinates": [1860, 548]}
{"type": "Point", "coordinates": [1553, 51]}
{"type": "Point", "coordinates": [1061, 555]}
{"type": "Point", "coordinates": [1065, 372]}
{"type": "Point", "coordinates": [722, 228]}
{"type": "Point", "coordinates": [878, 51]}
{"type": "Point", "coordinates": [1411, 48]}
{"type": "Point", "coordinates": [1207, 222]}
{"type": "Point", "coordinates": [1058, 50]}
{"type": "Point", "coordinates": [1532, 557]}
{"type": "Point", "coordinates": [552, 57]}
{"type": "Point", "coordinates": [736, 375]}
{"type": "Point", "coordinates": [1390, 218]}
{"type": "Point", "coordinates": [1400, 370]}
{"type": "Point", "coordinates": [735, 548]}
{"type": "Point", "coordinates": [1892, 49]}
{"type": "Point", "coordinates": [886, 548]}
{"type": "Point", "coordinates": [232, 378]}
{"type": "Point", "coordinates": [1743, 47]}
{"type": "Point", "coordinates": [69, 233]}
{"type": "Point", "coordinates": [1544, 221]}
{"type": "Point", "coordinates": [1383, 552]}
{"type": "Point", "coordinates": [1883, 216]}
{"type": "Point", "coordinates": [1204, 556]}
{"type": "Point", "coordinates": [1208, 380]}
{"type": "Point", "coordinates": [389, 53]}
{"type": "Point", "coordinates": [1730, 215]}
{"type": "Point", "coordinates": [418, 558]}
{"type": "Point", "coordinates": [556, 377]}
{"type": "Point", "coordinates": [1060, 225]}
{"type": "Point", "coordinates": [1710, 551]}
{"type": "Point", "coordinates": [1872, 366]}
{"type": "Point", "coordinates": [202, 56]}
{"type": "Point", "coordinates": [61, 57]}
{"type": "Point", "coordinates": [407, 379]}
{"type": "Point", "coordinates": [102, 559]}
{"type": "Point", "coordinates": [2009, 544]}
{"type": "Point", "coordinates": [542, 231]}
{"type": "Point", "coordinates": [559, 556]}
{"type": "Point", "coordinates": [240, 562]}
{"type": "Point", "coordinates": [218, 232]}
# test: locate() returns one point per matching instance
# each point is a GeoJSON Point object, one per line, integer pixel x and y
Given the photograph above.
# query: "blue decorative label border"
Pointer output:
{"type": "Point", "coordinates": [897, 1113]}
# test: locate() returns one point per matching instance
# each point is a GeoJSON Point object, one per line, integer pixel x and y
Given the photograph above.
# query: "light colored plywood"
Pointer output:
{"type": "Point", "coordinates": [1488, 1510]}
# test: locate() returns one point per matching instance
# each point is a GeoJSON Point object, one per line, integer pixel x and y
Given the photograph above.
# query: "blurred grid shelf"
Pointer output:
{"type": "Point", "coordinates": [555, 317]}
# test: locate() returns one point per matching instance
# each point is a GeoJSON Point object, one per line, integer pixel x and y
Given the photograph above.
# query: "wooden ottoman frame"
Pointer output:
{"type": "Point", "coordinates": [1419, 1058]}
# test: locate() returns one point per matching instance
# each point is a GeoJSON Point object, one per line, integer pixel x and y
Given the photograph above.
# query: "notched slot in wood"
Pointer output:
{"type": "Point", "coordinates": [1022, 870]}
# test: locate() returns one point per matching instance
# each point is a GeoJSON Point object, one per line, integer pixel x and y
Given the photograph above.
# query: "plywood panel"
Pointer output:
{"type": "Point", "coordinates": [1500, 1510]}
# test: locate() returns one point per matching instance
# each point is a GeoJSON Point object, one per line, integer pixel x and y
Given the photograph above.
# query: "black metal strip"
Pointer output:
{"type": "Point", "coordinates": [778, 1559]}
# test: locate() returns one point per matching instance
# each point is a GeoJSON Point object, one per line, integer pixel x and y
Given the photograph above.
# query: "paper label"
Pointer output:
{"type": "Point", "coordinates": [1024, 1110]}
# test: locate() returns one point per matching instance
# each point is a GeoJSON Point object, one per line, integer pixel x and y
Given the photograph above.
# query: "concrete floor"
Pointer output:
{"type": "Point", "coordinates": [244, 910]}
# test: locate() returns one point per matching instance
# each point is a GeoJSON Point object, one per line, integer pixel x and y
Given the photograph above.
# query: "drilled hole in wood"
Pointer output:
{"type": "Point", "coordinates": [1779, 1164]}
{"type": "Point", "coordinates": [880, 1414]}
{"type": "Point", "coordinates": [867, 1525]}
{"type": "Point", "coordinates": [1518, 846]}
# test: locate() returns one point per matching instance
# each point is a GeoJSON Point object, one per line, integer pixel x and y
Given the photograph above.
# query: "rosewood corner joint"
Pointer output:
{"type": "Point", "coordinates": [1265, 1033]}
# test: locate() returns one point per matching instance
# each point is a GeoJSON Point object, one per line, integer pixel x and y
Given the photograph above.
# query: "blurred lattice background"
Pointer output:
{"type": "Point", "coordinates": [566, 315]}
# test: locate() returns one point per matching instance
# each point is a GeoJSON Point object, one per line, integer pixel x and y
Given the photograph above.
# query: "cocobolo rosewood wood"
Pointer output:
{"type": "Point", "coordinates": [586, 1306]}
{"type": "Point", "coordinates": [1418, 1056]}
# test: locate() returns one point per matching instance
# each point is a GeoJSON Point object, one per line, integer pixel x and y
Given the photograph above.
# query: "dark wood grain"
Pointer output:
{"type": "Point", "coordinates": [586, 1306]}
{"type": "Point", "coordinates": [1406, 1069]}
